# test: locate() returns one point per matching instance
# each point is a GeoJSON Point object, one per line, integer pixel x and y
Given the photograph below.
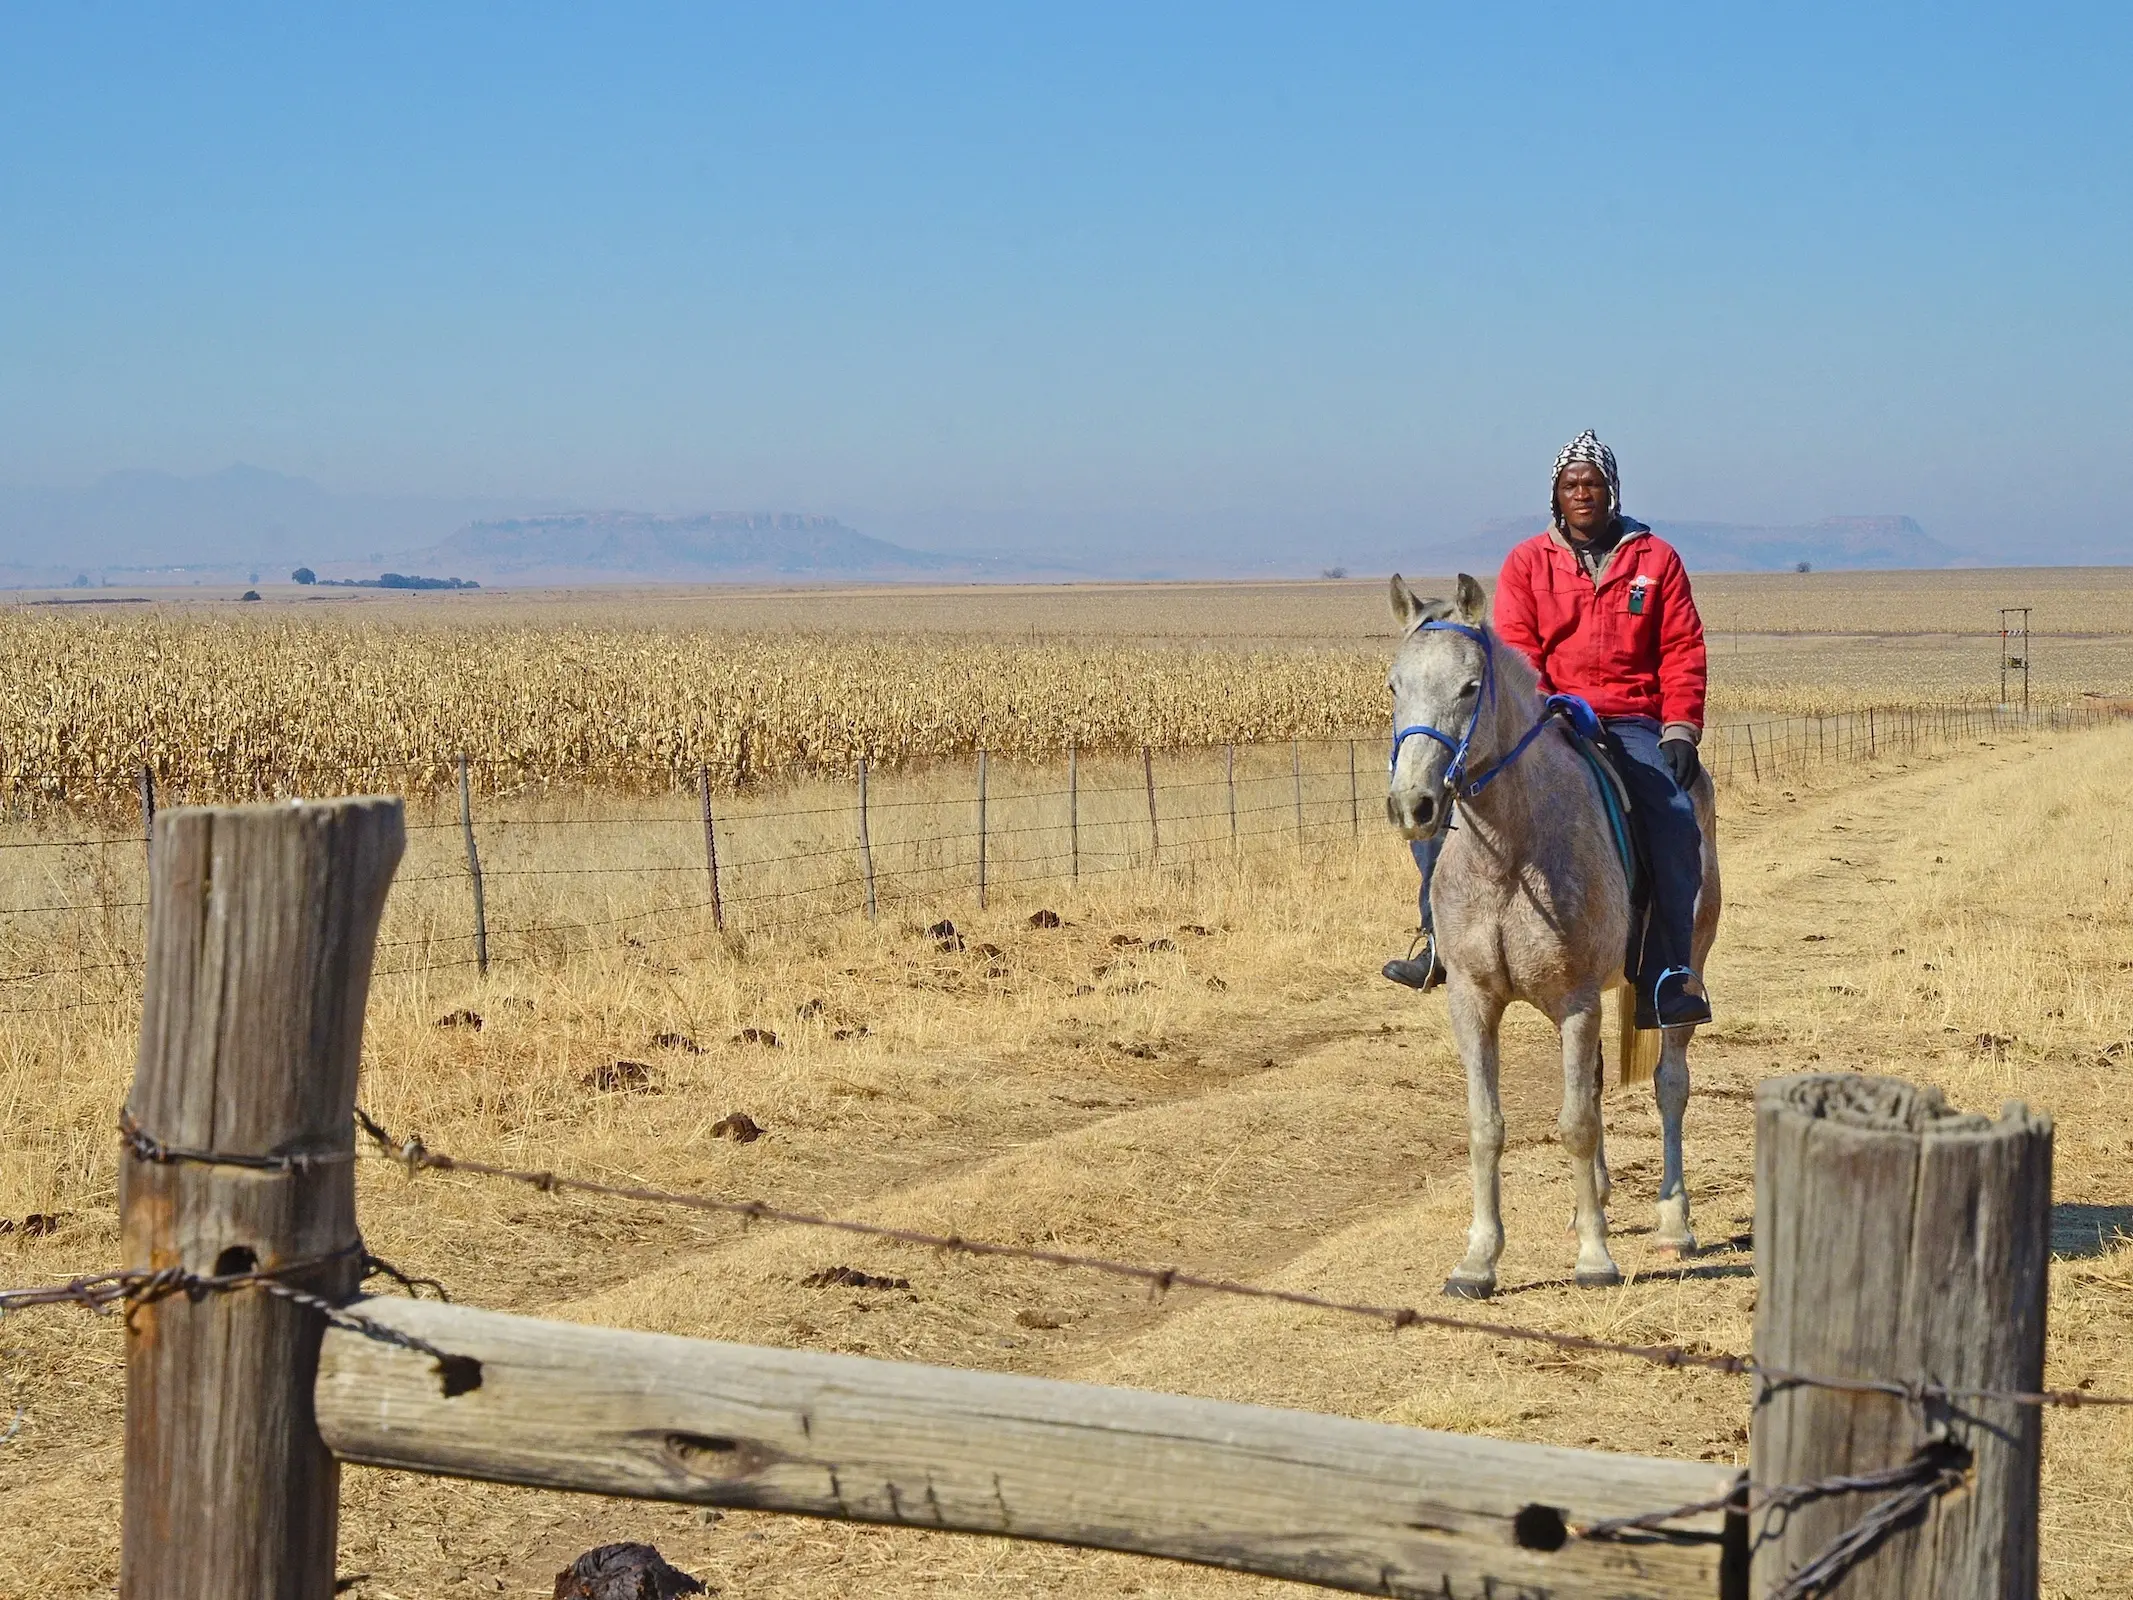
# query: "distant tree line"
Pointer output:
{"type": "Point", "coordinates": [384, 580]}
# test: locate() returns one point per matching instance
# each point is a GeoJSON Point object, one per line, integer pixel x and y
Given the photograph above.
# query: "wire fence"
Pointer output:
{"type": "Point", "coordinates": [526, 876]}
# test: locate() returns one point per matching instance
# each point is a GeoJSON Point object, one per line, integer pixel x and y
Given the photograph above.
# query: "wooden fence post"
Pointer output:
{"type": "Point", "coordinates": [1873, 745]}
{"type": "Point", "coordinates": [1898, 1240]}
{"type": "Point", "coordinates": [261, 929]}
{"type": "Point", "coordinates": [481, 911]}
{"type": "Point", "coordinates": [866, 845]}
{"type": "Point", "coordinates": [703, 794]}
{"type": "Point", "coordinates": [981, 829]}
{"type": "Point", "coordinates": [1754, 764]}
{"type": "Point", "coordinates": [1155, 838]}
{"type": "Point", "coordinates": [1074, 808]}
{"type": "Point", "coordinates": [1229, 768]}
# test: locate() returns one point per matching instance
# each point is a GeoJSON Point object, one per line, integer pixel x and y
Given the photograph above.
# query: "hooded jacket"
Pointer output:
{"type": "Point", "coordinates": [1627, 640]}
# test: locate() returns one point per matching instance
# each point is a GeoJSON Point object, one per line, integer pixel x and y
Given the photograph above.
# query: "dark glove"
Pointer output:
{"type": "Point", "coordinates": [1681, 761]}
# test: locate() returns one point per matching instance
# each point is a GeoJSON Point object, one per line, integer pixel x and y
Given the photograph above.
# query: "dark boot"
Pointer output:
{"type": "Point", "coordinates": [1418, 969]}
{"type": "Point", "coordinates": [1678, 1000]}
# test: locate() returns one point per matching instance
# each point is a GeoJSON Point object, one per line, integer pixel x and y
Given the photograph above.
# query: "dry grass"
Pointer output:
{"type": "Point", "coordinates": [1193, 1104]}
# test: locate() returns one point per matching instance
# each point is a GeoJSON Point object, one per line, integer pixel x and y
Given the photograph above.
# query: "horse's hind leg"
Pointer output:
{"type": "Point", "coordinates": [1580, 1128]}
{"type": "Point", "coordinates": [1475, 1018]}
{"type": "Point", "coordinates": [1670, 1086]}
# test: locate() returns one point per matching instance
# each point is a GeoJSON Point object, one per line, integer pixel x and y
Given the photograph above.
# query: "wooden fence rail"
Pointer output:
{"type": "Point", "coordinates": [1361, 1506]}
{"type": "Point", "coordinates": [1897, 1243]}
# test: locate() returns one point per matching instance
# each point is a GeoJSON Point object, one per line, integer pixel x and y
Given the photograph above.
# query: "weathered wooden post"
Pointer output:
{"type": "Point", "coordinates": [262, 923]}
{"type": "Point", "coordinates": [866, 845]}
{"type": "Point", "coordinates": [481, 910]}
{"type": "Point", "coordinates": [1155, 838]}
{"type": "Point", "coordinates": [703, 793]}
{"type": "Point", "coordinates": [1896, 1240]}
{"type": "Point", "coordinates": [1754, 765]}
{"type": "Point", "coordinates": [981, 829]}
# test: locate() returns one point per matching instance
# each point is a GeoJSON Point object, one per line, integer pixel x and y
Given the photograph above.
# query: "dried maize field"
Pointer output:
{"type": "Point", "coordinates": [1184, 1055]}
{"type": "Point", "coordinates": [633, 693]}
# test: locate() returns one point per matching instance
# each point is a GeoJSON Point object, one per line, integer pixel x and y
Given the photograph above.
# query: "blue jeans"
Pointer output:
{"type": "Point", "coordinates": [1426, 852]}
{"type": "Point", "coordinates": [1673, 840]}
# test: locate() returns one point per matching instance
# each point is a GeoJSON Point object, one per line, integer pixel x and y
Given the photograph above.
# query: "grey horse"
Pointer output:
{"type": "Point", "coordinates": [1530, 903]}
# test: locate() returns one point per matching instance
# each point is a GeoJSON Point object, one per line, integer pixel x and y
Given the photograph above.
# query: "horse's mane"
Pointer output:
{"type": "Point", "coordinates": [1513, 670]}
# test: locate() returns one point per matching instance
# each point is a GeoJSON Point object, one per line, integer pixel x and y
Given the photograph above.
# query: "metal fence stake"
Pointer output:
{"type": "Point", "coordinates": [1229, 767]}
{"type": "Point", "coordinates": [1355, 802]}
{"type": "Point", "coordinates": [866, 845]}
{"type": "Point", "coordinates": [1074, 808]}
{"type": "Point", "coordinates": [718, 905]}
{"type": "Point", "coordinates": [148, 813]}
{"type": "Point", "coordinates": [1296, 767]}
{"type": "Point", "coordinates": [481, 913]}
{"type": "Point", "coordinates": [1155, 839]}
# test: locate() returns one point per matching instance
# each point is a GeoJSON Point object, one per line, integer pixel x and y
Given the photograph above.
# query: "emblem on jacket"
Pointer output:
{"type": "Point", "coordinates": [1640, 590]}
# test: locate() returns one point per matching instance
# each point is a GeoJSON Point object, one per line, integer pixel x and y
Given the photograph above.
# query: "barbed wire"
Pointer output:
{"type": "Point", "coordinates": [137, 1286]}
{"type": "Point", "coordinates": [1928, 1475]}
{"type": "Point", "coordinates": [413, 1154]}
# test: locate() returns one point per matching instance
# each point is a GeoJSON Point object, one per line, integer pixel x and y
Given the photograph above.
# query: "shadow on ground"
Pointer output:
{"type": "Point", "coordinates": [2081, 1232]}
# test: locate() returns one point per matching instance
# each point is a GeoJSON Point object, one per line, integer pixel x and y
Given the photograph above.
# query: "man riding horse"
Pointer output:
{"type": "Point", "coordinates": [1601, 607]}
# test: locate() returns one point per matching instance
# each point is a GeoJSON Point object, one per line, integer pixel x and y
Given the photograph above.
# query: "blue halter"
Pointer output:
{"type": "Point", "coordinates": [1573, 710]}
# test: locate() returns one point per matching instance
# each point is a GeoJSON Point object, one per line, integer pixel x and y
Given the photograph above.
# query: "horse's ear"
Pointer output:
{"type": "Point", "coordinates": [1473, 601]}
{"type": "Point", "coordinates": [1407, 608]}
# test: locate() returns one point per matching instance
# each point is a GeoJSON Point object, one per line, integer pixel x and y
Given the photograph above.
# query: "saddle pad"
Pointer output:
{"type": "Point", "coordinates": [1614, 801]}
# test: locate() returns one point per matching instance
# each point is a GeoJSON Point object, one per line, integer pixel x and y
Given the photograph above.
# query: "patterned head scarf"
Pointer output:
{"type": "Point", "coordinates": [1586, 447]}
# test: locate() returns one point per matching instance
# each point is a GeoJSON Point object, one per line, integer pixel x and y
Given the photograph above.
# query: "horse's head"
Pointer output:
{"type": "Point", "coordinates": [1439, 678]}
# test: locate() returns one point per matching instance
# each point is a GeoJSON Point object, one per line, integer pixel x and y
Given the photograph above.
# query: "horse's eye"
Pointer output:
{"type": "Point", "coordinates": [1473, 687]}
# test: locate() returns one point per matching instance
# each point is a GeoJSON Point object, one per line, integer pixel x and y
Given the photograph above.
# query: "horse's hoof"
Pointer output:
{"type": "Point", "coordinates": [1458, 1288]}
{"type": "Point", "coordinates": [1675, 1249]}
{"type": "Point", "coordinates": [1606, 1278]}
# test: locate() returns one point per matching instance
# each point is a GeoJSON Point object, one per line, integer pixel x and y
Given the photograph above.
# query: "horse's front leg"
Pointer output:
{"type": "Point", "coordinates": [1670, 1086]}
{"type": "Point", "coordinates": [1581, 1131]}
{"type": "Point", "coordinates": [1476, 1017]}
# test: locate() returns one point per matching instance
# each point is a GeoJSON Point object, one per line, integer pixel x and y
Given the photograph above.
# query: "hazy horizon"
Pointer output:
{"type": "Point", "coordinates": [1183, 279]}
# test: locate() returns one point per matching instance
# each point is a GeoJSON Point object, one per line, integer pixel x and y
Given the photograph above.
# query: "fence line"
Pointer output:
{"type": "Point", "coordinates": [60, 784]}
{"type": "Point", "coordinates": [895, 872]}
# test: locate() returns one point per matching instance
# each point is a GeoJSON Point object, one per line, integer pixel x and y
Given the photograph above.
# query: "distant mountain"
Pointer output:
{"type": "Point", "coordinates": [597, 545]}
{"type": "Point", "coordinates": [1834, 543]}
{"type": "Point", "coordinates": [239, 516]}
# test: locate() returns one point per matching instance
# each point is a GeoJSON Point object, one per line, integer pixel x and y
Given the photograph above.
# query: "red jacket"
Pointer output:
{"type": "Point", "coordinates": [1631, 645]}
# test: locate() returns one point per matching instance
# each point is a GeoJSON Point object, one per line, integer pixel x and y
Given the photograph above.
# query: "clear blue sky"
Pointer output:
{"type": "Point", "coordinates": [1130, 261]}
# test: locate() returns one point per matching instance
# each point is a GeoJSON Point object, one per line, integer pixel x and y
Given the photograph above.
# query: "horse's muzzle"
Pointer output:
{"type": "Point", "coordinates": [1414, 815]}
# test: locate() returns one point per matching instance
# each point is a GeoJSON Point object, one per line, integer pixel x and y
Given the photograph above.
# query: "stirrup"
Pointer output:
{"type": "Point", "coordinates": [1685, 1008]}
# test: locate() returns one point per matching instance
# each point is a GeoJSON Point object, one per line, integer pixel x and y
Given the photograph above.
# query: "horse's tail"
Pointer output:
{"type": "Point", "coordinates": [1637, 1049]}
